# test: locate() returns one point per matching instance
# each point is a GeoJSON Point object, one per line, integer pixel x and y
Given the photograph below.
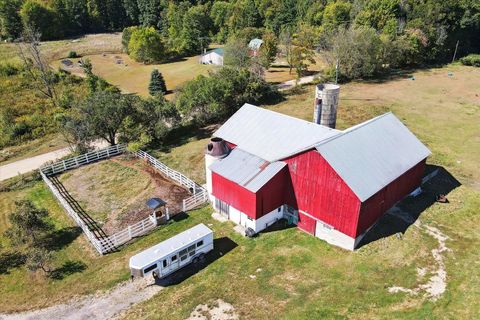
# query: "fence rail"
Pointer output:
{"type": "Point", "coordinates": [75, 162]}
{"type": "Point", "coordinates": [110, 243]}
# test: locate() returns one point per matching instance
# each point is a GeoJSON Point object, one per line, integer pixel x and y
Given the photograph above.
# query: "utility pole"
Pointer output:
{"type": "Point", "coordinates": [336, 72]}
{"type": "Point", "coordinates": [455, 53]}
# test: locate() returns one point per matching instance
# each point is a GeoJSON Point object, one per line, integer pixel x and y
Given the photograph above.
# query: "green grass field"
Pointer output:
{"type": "Point", "coordinates": [302, 277]}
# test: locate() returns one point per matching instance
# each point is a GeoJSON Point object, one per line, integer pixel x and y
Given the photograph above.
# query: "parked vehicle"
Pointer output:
{"type": "Point", "coordinates": [172, 254]}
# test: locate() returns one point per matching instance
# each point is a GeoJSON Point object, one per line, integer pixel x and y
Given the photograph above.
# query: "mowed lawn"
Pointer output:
{"type": "Point", "coordinates": [133, 77]}
{"type": "Point", "coordinates": [288, 274]}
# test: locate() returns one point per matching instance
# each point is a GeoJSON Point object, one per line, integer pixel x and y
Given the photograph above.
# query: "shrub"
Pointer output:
{"type": "Point", "coordinates": [8, 69]}
{"type": "Point", "coordinates": [73, 55]}
{"type": "Point", "coordinates": [471, 60]}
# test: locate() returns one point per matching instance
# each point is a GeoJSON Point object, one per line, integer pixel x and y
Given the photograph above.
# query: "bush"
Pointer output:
{"type": "Point", "coordinates": [471, 60]}
{"type": "Point", "coordinates": [146, 45]}
{"type": "Point", "coordinates": [73, 55]}
{"type": "Point", "coordinates": [8, 69]}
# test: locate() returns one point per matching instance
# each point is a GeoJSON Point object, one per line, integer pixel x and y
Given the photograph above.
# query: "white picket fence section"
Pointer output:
{"type": "Point", "coordinates": [135, 230]}
{"type": "Point", "coordinates": [83, 159]}
{"type": "Point", "coordinates": [107, 244]}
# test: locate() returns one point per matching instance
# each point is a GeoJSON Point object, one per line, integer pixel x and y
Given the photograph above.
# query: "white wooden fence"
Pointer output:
{"type": "Point", "coordinates": [75, 162]}
{"type": "Point", "coordinates": [73, 214]}
{"type": "Point", "coordinates": [199, 193]}
{"type": "Point", "coordinates": [107, 244]}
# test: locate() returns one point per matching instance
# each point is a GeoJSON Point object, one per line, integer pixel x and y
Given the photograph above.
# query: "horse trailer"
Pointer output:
{"type": "Point", "coordinates": [172, 254]}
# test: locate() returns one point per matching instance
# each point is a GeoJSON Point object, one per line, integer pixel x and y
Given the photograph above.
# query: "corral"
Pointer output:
{"type": "Point", "coordinates": [119, 216]}
{"type": "Point", "coordinates": [114, 191]}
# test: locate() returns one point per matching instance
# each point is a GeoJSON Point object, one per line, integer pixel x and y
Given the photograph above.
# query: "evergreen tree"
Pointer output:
{"type": "Point", "coordinates": [157, 83]}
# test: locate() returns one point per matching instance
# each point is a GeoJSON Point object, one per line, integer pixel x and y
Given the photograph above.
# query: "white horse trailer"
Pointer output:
{"type": "Point", "coordinates": [172, 254]}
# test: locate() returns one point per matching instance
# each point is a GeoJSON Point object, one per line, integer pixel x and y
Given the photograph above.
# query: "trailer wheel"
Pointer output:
{"type": "Point", "coordinates": [195, 260]}
{"type": "Point", "coordinates": [201, 257]}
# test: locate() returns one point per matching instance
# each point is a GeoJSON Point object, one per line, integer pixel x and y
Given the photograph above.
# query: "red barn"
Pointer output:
{"type": "Point", "coordinates": [263, 166]}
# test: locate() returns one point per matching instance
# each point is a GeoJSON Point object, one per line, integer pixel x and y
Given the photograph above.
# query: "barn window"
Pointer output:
{"type": "Point", "coordinates": [199, 243]}
{"type": "Point", "coordinates": [153, 266]}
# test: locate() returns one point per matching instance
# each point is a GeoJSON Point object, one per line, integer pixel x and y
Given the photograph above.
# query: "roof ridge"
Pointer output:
{"type": "Point", "coordinates": [289, 116]}
{"type": "Point", "coordinates": [355, 127]}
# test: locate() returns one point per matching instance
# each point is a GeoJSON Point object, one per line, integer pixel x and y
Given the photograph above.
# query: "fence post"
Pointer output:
{"type": "Point", "coordinates": [184, 207]}
{"type": "Point", "coordinates": [130, 232]}
{"type": "Point", "coordinates": [64, 166]}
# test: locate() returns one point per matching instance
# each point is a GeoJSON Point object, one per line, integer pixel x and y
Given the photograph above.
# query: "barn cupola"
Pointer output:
{"type": "Point", "coordinates": [216, 149]}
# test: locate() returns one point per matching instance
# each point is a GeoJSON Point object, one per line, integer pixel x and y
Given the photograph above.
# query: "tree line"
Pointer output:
{"type": "Point", "coordinates": [429, 29]}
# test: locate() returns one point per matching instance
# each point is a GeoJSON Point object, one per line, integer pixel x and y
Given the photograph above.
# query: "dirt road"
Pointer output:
{"type": "Point", "coordinates": [99, 306]}
{"type": "Point", "coordinates": [291, 83]}
{"type": "Point", "coordinates": [26, 165]}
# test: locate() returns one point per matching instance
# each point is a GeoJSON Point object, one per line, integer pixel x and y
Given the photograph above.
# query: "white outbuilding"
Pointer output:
{"type": "Point", "coordinates": [214, 56]}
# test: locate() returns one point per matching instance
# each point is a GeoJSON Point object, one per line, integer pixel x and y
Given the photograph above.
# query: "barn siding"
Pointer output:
{"type": "Point", "coordinates": [271, 195]}
{"type": "Point", "coordinates": [374, 207]}
{"type": "Point", "coordinates": [254, 205]}
{"type": "Point", "coordinates": [320, 192]}
{"type": "Point", "coordinates": [234, 194]}
{"type": "Point", "coordinates": [306, 223]}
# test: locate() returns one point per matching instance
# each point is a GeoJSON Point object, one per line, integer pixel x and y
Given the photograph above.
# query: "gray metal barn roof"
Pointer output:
{"type": "Point", "coordinates": [247, 170]}
{"type": "Point", "coordinates": [271, 135]}
{"type": "Point", "coordinates": [372, 154]}
{"type": "Point", "coordinates": [152, 254]}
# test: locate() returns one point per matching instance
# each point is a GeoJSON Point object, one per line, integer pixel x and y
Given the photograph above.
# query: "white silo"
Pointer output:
{"type": "Point", "coordinates": [216, 149]}
{"type": "Point", "coordinates": [326, 104]}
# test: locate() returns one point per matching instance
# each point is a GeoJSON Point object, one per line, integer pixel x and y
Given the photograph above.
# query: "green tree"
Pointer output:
{"type": "Point", "coordinates": [10, 20]}
{"type": "Point", "coordinates": [158, 116]}
{"type": "Point", "coordinates": [213, 98]}
{"type": "Point", "coordinates": [220, 14]}
{"type": "Point", "coordinates": [41, 18]}
{"type": "Point", "coordinates": [196, 27]}
{"type": "Point", "coordinates": [150, 12]}
{"type": "Point", "coordinates": [236, 54]}
{"type": "Point", "coordinates": [146, 45]}
{"type": "Point", "coordinates": [174, 16]}
{"type": "Point", "coordinates": [268, 50]}
{"type": "Point", "coordinates": [29, 224]}
{"type": "Point", "coordinates": [157, 83]}
{"type": "Point", "coordinates": [105, 113]}
{"type": "Point", "coordinates": [126, 35]}
{"type": "Point", "coordinates": [358, 50]}
{"type": "Point", "coordinates": [335, 14]}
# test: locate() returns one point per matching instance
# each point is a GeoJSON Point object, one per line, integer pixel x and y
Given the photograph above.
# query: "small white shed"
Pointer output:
{"type": "Point", "coordinates": [212, 57]}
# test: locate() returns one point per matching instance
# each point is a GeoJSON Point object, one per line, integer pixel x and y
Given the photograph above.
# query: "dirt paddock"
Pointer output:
{"type": "Point", "coordinates": [114, 191]}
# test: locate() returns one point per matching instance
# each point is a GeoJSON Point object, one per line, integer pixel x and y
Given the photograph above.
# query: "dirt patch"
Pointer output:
{"type": "Point", "coordinates": [437, 283]}
{"type": "Point", "coordinates": [218, 310]}
{"type": "Point", "coordinates": [114, 191]}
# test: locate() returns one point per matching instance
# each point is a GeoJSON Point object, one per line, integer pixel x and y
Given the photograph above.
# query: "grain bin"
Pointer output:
{"type": "Point", "coordinates": [326, 103]}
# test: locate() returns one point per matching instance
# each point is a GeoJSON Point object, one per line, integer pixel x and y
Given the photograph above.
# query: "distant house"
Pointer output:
{"type": "Point", "coordinates": [254, 46]}
{"type": "Point", "coordinates": [213, 57]}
